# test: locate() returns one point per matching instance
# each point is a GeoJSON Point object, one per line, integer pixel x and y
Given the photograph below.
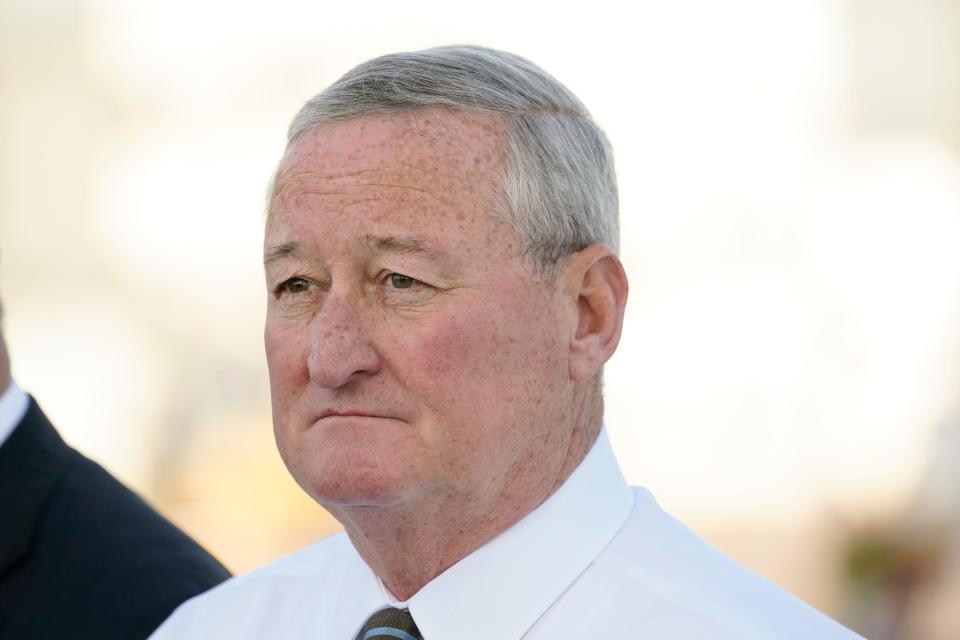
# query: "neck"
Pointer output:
{"type": "Point", "coordinates": [409, 545]}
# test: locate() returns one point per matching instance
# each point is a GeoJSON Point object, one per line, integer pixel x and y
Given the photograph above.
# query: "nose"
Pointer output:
{"type": "Point", "coordinates": [340, 346]}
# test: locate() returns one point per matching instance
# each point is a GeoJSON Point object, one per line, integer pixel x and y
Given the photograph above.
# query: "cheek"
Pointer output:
{"type": "Point", "coordinates": [450, 348]}
{"type": "Point", "coordinates": [286, 365]}
{"type": "Point", "coordinates": [286, 360]}
{"type": "Point", "coordinates": [483, 363]}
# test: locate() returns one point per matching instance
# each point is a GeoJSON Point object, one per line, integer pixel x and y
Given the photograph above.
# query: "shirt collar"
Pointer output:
{"type": "Point", "coordinates": [13, 406]}
{"type": "Point", "coordinates": [358, 595]}
{"type": "Point", "coordinates": [512, 580]}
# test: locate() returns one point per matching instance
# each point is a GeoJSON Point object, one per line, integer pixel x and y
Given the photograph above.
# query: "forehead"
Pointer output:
{"type": "Point", "coordinates": [422, 162]}
{"type": "Point", "coordinates": [410, 135]}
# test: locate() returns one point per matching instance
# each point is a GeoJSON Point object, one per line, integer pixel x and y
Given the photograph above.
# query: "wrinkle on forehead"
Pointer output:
{"type": "Point", "coordinates": [344, 194]}
{"type": "Point", "coordinates": [426, 154]}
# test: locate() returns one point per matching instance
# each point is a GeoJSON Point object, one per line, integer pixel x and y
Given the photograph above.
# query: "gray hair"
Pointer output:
{"type": "Point", "coordinates": [559, 188]}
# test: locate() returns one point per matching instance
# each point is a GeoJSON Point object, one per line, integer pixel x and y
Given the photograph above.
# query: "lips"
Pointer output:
{"type": "Point", "coordinates": [350, 413]}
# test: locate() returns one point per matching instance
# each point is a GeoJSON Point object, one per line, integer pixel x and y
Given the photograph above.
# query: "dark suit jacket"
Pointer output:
{"type": "Point", "coordinates": [81, 556]}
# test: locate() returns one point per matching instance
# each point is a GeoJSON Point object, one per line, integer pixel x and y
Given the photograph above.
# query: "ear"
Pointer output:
{"type": "Point", "coordinates": [597, 282]}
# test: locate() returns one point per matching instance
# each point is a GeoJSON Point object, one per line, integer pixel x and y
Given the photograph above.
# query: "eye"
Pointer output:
{"type": "Point", "coordinates": [400, 281]}
{"type": "Point", "coordinates": [293, 285]}
{"type": "Point", "coordinates": [402, 291]}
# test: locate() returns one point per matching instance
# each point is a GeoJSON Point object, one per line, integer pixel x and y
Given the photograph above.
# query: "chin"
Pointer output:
{"type": "Point", "coordinates": [342, 485]}
{"type": "Point", "coordinates": [350, 463]}
{"type": "Point", "coordinates": [362, 494]}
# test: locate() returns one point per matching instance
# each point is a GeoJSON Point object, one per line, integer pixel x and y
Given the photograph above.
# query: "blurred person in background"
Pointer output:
{"type": "Point", "coordinates": [81, 556]}
{"type": "Point", "coordinates": [444, 291]}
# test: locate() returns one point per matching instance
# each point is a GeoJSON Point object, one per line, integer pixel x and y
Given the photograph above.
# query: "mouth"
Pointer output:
{"type": "Point", "coordinates": [334, 414]}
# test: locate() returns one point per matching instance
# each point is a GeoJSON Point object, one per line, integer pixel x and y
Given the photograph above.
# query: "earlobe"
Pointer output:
{"type": "Point", "coordinates": [600, 286]}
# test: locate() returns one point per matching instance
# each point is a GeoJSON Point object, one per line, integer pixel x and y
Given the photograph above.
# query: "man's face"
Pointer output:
{"type": "Point", "coordinates": [414, 353]}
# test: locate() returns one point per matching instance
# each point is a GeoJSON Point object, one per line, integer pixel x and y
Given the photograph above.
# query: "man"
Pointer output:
{"type": "Point", "coordinates": [444, 290]}
{"type": "Point", "coordinates": [80, 555]}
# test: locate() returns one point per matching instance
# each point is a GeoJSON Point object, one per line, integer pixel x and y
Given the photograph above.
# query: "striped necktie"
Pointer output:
{"type": "Point", "coordinates": [390, 624]}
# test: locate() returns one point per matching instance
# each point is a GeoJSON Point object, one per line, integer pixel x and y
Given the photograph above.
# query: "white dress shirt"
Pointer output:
{"type": "Point", "coordinates": [13, 406]}
{"type": "Point", "coordinates": [596, 560]}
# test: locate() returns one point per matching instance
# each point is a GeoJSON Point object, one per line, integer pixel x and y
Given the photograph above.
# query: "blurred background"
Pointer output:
{"type": "Point", "coordinates": [788, 382]}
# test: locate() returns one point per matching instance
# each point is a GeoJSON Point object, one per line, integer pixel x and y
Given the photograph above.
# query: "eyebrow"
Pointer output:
{"type": "Point", "coordinates": [280, 251]}
{"type": "Point", "coordinates": [409, 245]}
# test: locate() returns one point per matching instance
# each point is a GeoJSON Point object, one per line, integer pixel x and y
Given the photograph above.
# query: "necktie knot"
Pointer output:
{"type": "Point", "coordinates": [390, 624]}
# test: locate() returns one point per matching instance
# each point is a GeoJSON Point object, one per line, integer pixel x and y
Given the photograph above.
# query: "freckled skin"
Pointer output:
{"type": "Point", "coordinates": [472, 418]}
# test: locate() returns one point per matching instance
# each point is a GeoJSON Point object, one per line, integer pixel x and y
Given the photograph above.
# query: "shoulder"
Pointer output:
{"type": "Point", "coordinates": [661, 562]}
{"type": "Point", "coordinates": [101, 540]}
{"type": "Point", "coordinates": [97, 552]}
{"type": "Point", "coordinates": [282, 594]}
{"type": "Point", "coordinates": [94, 512]}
